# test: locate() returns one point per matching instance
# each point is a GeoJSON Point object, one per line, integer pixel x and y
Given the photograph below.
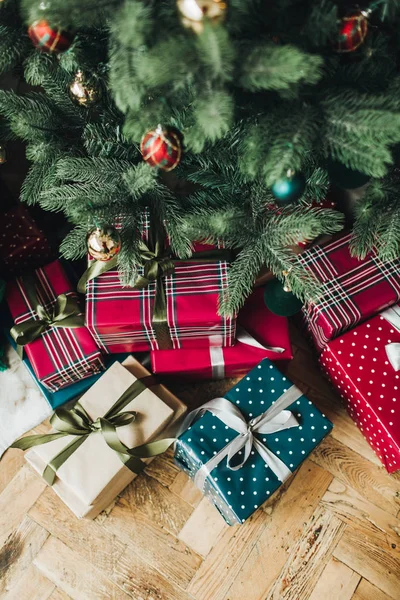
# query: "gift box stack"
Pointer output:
{"type": "Point", "coordinates": [357, 336]}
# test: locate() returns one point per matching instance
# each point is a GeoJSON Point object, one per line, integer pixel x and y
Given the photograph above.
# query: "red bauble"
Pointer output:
{"type": "Point", "coordinates": [48, 38]}
{"type": "Point", "coordinates": [162, 148]}
{"type": "Point", "coordinates": [352, 32]}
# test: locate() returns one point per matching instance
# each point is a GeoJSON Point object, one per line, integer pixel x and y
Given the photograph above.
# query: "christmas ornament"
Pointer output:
{"type": "Point", "coordinates": [195, 12]}
{"type": "Point", "coordinates": [103, 243]}
{"type": "Point", "coordinates": [49, 39]}
{"type": "Point", "coordinates": [345, 178]}
{"type": "Point", "coordinates": [289, 188]}
{"type": "Point", "coordinates": [85, 90]}
{"type": "Point", "coordinates": [279, 299]}
{"type": "Point", "coordinates": [352, 31]}
{"type": "Point", "coordinates": [162, 148]}
{"type": "Point", "coordinates": [3, 155]}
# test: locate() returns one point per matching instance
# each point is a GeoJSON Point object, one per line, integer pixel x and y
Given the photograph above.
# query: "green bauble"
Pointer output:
{"type": "Point", "coordinates": [289, 189]}
{"type": "Point", "coordinates": [279, 301]}
{"type": "Point", "coordinates": [345, 178]}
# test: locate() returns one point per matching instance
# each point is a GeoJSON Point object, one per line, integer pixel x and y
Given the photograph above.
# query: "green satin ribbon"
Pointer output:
{"type": "Point", "coordinates": [64, 313]}
{"type": "Point", "coordinates": [78, 423]}
{"type": "Point", "coordinates": [157, 263]}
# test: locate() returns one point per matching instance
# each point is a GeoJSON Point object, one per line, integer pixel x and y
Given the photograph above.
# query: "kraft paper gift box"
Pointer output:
{"type": "Point", "coordinates": [121, 318]}
{"type": "Point", "coordinates": [60, 356]}
{"type": "Point", "coordinates": [260, 334]}
{"type": "Point", "coordinates": [94, 474]}
{"type": "Point", "coordinates": [351, 290]}
{"type": "Point", "coordinates": [363, 365]}
{"type": "Point", "coordinates": [201, 451]}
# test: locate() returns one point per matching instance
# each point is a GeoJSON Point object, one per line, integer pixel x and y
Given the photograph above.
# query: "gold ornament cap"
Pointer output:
{"type": "Point", "coordinates": [195, 12]}
{"type": "Point", "coordinates": [103, 243]}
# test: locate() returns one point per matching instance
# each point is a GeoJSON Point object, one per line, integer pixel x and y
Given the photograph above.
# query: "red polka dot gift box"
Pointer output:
{"type": "Point", "coordinates": [23, 246]}
{"type": "Point", "coordinates": [351, 290]}
{"type": "Point", "coordinates": [364, 366]}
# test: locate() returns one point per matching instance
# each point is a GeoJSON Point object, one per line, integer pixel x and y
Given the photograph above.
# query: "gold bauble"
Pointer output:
{"type": "Point", "coordinates": [103, 243]}
{"type": "Point", "coordinates": [3, 155]}
{"type": "Point", "coordinates": [85, 90]}
{"type": "Point", "coordinates": [195, 12]}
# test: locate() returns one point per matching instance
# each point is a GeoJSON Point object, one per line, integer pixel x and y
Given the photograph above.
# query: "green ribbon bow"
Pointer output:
{"type": "Point", "coordinates": [65, 313]}
{"type": "Point", "coordinates": [157, 263]}
{"type": "Point", "coordinates": [78, 423]}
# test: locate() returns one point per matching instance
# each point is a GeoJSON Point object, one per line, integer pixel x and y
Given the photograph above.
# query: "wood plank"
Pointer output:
{"type": "Point", "coordinates": [163, 468]}
{"type": "Point", "coordinates": [141, 581]}
{"type": "Point", "coordinates": [157, 502]}
{"type": "Point", "coordinates": [17, 552]}
{"type": "Point", "coordinates": [17, 498]}
{"type": "Point", "coordinates": [59, 595]}
{"type": "Point", "coordinates": [367, 591]}
{"type": "Point", "coordinates": [244, 565]}
{"type": "Point", "coordinates": [32, 585]}
{"type": "Point", "coordinates": [184, 487]}
{"type": "Point", "coordinates": [370, 481]}
{"type": "Point", "coordinates": [76, 577]}
{"type": "Point", "coordinates": [155, 545]}
{"type": "Point", "coordinates": [355, 510]}
{"type": "Point", "coordinates": [307, 558]}
{"type": "Point", "coordinates": [337, 582]}
{"type": "Point", "coordinates": [381, 566]}
{"type": "Point", "coordinates": [84, 537]}
{"type": "Point", "coordinates": [202, 530]}
{"type": "Point", "coordinates": [11, 462]}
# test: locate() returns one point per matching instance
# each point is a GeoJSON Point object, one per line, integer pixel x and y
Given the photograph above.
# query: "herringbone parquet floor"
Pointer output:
{"type": "Point", "coordinates": [332, 532]}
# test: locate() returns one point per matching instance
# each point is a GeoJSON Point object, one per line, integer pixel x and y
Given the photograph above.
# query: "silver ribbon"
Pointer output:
{"type": "Point", "coordinates": [217, 354]}
{"type": "Point", "coordinates": [392, 315]}
{"type": "Point", "coordinates": [275, 419]}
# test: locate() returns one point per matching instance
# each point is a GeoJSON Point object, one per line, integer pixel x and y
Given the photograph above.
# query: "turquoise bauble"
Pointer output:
{"type": "Point", "coordinates": [289, 189]}
{"type": "Point", "coordinates": [279, 301]}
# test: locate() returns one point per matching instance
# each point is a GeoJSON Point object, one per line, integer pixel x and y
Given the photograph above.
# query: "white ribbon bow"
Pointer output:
{"type": "Point", "coordinates": [275, 419]}
{"type": "Point", "coordinates": [392, 315]}
{"type": "Point", "coordinates": [217, 354]}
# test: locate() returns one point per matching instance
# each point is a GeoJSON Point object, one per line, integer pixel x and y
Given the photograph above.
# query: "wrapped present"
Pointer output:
{"type": "Point", "coordinates": [88, 458]}
{"type": "Point", "coordinates": [260, 334]}
{"type": "Point", "coordinates": [363, 365]}
{"type": "Point", "coordinates": [50, 325]}
{"type": "Point", "coordinates": [23, 246]}
{"type": "Point", "coordinates": [351, 290]}
{"type": "Point", "coordinates": [173, 305]}
{"type": "Point", "coordinates": [239, 449]}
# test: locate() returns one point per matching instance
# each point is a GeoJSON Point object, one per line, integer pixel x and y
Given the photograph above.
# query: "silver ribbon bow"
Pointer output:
{"type": "Point", "coordinates": [275, 419]}
{"type": "Point", "coordinates": [217, 354]}
{"type": "Point", "coordinates": [392, 315]}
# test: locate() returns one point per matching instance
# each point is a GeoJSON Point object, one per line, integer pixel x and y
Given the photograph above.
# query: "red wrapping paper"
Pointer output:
{"type": "Point", "coordinates": [268, 329]}
{"type": "Point", "coordinates": [358, 366]}
{"type": "Point", "coordinates": [61, 356]}
{"type": "Point", "coordinates": [120, 318]}
{"type": "Point", "coordinates": [352, 290]}
{"type": "Point", "coordinates": [23, 246]}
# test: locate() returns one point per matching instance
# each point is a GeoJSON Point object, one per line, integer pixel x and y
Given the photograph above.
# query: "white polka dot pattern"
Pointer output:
{"type": "Point", "coordinates": [358, 367]}
{"type": "Point", "coordinates": [234, 492]}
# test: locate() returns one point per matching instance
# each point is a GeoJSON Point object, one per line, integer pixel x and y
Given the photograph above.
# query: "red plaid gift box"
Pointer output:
{"type": "Point", "coordinates": [60, 356]}
{"type": "Point", "coordinates": [261, 334]}
{"type": "Point", "coordinates": [23, 246]}
{"type": "Point", "coordinates": [121, 318]}
{"type": "Point", "coordinates": [363, 365]}
{"type": "Point", "coordinates": [352, 290]}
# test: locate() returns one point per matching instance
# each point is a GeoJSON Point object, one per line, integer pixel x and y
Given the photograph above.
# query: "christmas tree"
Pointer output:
{"type": "Point", "coordinates": [227, 119]}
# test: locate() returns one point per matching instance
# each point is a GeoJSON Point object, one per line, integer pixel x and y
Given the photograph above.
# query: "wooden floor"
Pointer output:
{"type": "Point", "coordinates": [332, 533]}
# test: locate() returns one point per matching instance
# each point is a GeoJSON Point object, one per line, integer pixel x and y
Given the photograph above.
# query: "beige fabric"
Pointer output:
{"type": "Point", "coordinates": [87, 489]}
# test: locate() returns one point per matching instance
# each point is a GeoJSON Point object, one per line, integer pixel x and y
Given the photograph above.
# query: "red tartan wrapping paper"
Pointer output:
{"type": "Point", "coordinates": [358, 367]}
{"type": "Point", "coordinates": [120, 318]}
{"type": "Point", "coordinates": [215, 363]}
{"type": "Point", "coordinates": [60, 356]}
{"type": "Point", "coordinates": [23, 246]}
{"type": "Point", "coordinates": [352, 290]}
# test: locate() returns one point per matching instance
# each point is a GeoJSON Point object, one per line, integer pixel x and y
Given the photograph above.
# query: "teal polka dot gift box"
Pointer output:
{"type": "Point", "coordinates": [241, 448]}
